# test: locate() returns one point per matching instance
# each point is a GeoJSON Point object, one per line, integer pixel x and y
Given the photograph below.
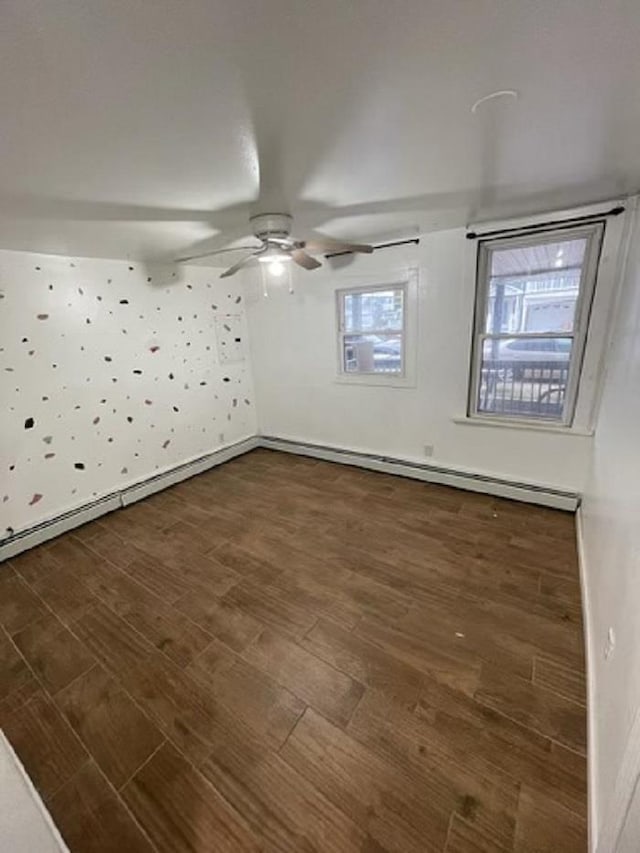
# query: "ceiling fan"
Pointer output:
{"type": "Point", "coordinates": [277, 246]}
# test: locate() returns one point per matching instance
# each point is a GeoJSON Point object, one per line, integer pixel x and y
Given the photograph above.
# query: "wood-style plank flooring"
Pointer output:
{"type": "Point", "coordinates": [290, 655]}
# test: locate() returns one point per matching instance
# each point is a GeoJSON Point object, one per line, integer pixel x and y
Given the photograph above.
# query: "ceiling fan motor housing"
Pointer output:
{"type": "Point", "coordinates": [267, 226]}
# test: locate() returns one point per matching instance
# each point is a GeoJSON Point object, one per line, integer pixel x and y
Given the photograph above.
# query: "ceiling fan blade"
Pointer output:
{"type": "Point", "coordinates": [239, 265]}
{"type": "Point", "coordinates": [216, 252]}
{"type": "Point", "coordinates": [336, 246]}
{"type": "Point", "coordinates": [300, 257]}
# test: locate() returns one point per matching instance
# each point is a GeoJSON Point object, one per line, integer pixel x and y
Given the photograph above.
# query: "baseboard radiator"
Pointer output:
{"type": "Point", "coordinates": [77, 516]}
{"type": "Point", "coordinates": [467, 480]}
{"type": "Point", "coordinates": [458, 478]}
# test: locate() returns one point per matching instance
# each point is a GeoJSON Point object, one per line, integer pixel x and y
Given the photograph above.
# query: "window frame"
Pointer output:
{"type": "Point", "coordinates": [397, 378]}
{"type": "Point", "coordinates": [594, 232]}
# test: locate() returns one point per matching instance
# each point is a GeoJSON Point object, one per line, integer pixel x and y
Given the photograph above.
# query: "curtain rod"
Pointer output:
{"type": "Point", "coordinates": [415, 240]}
{"type": "Point", "coordinates": [546, 226]}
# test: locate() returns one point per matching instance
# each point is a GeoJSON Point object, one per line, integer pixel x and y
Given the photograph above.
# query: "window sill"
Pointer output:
{"type": "Point", "coordinates": [557, 429]}
{"type": "Point", "coordinates": [372, 379]}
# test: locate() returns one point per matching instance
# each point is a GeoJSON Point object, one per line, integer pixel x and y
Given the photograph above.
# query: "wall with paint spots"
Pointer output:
{"type": "Point", "coordinates": [111, 372]}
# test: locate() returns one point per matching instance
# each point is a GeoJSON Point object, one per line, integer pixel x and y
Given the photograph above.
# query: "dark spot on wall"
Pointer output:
{"type": "Point", "coordinates": [137, 372]}
{"type": "Point", "coordinates": [108, 358]}
{"type": "Point", "coordinates": [38, 268]}
{"type": "Point", "coordinates": [96, 420]}
{"type": "Point", "coordinates": [130, 269]}
{"type": "Point", "coordinates": [79, 466]}
{"type": "Point", "coordinates": [124, 470]}
{"type": "Point", "coordinates": [171, 376]}
{"type": "Point", "coordinates": [36, 497]}
{"type": "Point", "coordinates": [154, 348]}
{"type": "Point", "coordinates": [148, 402]}
{"type": "Point", "coordinates": [175, 409]}
{"type": "Point", "coordinates": [29, 423]}
{"type": "Point", "coordinates": [166, 444]}
{"type": "Point", "coordinates": [238, 340]}
{"type": "Point", "coordinates": [238, 299]}
{"type": "Point", "coordinates": [43, 316]}
{"type": "Point", "coordinates": [226, 379]}
{"type": "Point", "coordinates": [130, 419]}
{"type": "Point", "coordinates": [49, 455]}
{"type": "Point", "coordinates": [124, 302]}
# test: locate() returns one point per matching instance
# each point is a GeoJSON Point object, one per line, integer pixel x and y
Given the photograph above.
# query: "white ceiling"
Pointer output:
{"type": "Point", "coordinates": [143, 128]}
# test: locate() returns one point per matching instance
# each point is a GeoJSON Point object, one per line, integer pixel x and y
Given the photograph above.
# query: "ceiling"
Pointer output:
{"type": "Point", "coordinates": [150, 128]}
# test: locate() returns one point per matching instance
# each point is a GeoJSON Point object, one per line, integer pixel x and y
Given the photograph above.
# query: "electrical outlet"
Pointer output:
{"type": "Point", "coordinates": [610, 644]}
{"type": "Point", "coordinates": [428, 450]}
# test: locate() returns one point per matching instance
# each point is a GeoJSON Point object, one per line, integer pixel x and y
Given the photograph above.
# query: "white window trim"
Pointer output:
{"type": "Point", "coordinates": [407, 378]}
{"type": "Point", "coordinates": [616, 237]}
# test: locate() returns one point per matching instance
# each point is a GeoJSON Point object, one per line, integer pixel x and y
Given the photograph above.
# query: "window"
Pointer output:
{"type": "Point", "coordinates": [371, 331]}
{"type": "Point", "coordinates": [534, 294]}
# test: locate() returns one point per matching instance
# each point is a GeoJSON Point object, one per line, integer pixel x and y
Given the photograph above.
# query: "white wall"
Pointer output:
{"type": "Point", "coordinates": [611, 548]}
{"type": "Point", "coordinates": [73, 335]}
{"type": "Point", "coordinates": [293, 339]}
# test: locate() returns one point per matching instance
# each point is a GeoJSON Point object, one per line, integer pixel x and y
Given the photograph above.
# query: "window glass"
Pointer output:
{"type": "Point", "coordinates": [533, 301]}
{"type": "Point", "coordinates": [534, 288]}
{"type": "Point", "coordinates": [372, 353]}
{"type": "Point", "coordinates": [524, 377]}
{"type": "Point", "coordinates": [375, 311]}
{"type": "Point", "coordinates": [372, 331]}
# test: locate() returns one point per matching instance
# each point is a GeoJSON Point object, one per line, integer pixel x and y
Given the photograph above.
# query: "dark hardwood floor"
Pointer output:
{"type": "Point", "coordinates": [289, 655]}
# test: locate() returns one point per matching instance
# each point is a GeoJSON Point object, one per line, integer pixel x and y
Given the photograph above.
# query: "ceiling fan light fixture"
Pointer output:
{"type": "Point", "coordinates": [276, 260]}
{"type": "Point", "coordinates": [274, 256]}
{"type": "Point", "coordinates": [277, 268]}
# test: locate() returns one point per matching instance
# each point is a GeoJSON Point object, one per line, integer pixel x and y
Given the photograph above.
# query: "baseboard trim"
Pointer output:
{"type": "Point", "coordinates": [458, 478]}
{"type": "Point", "coordinates": [49, 528]}
{"type": "Point", "coordinates": [622, 800]}
{"type": "Point", "coordinates": [592, 791]}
